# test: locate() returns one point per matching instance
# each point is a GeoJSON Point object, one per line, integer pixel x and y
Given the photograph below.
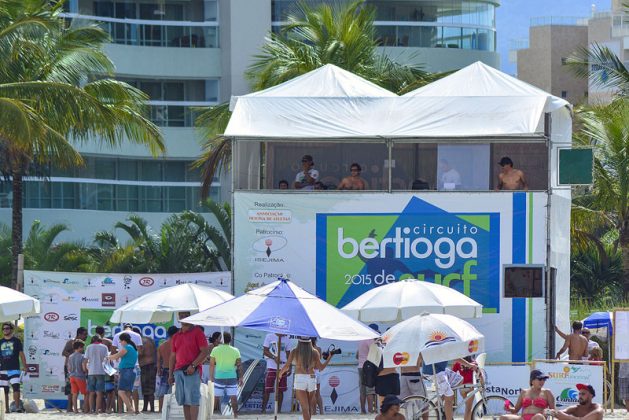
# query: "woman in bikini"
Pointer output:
{"type": "Point", "coordinates": [532, 401]}
{"type": "Point", "coordinates": [306, 359]}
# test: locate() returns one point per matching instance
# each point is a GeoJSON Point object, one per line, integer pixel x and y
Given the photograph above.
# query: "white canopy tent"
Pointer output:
{"type": "Point", "coordinates": [329, 103]}
{"type": "Point", "coordinates": [477, 104]}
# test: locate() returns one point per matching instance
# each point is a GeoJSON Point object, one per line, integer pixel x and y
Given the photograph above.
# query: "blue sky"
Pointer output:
{"type": "Point", "coordinates": [513, 18]}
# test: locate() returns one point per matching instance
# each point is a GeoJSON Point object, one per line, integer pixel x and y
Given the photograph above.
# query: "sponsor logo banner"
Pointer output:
{"type": "Point", "coordinates": [564, 378]}
{"type": "Point", "coordinates": [70, 300]}
{"type": "Point", "coordinates": [359, 251]}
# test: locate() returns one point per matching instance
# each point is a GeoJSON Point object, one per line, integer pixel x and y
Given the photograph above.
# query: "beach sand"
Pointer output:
{"type": "Point", "coordinates": [618, 414]}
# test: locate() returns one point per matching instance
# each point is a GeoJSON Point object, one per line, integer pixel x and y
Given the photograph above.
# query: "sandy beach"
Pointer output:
{"type": "Point", "coordinates": [618, 414]}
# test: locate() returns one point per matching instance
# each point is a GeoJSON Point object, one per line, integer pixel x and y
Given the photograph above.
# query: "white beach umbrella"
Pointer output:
{"type": "Point", "coordinates": [406, 298]}
{"type": "Point", "coordinates": [14, 304]}
{"type": "Point", "coordinates": [159, 306]}
{"type": "Point", "coordinates": [437, 337]}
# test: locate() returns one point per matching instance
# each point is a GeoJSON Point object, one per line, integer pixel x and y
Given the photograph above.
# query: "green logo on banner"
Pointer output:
{"type": "Point", "coordinates": [91, 318]}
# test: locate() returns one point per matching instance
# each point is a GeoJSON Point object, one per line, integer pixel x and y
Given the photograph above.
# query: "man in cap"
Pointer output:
{"type": "Point", "coordinates": [510, 178]}
{"type": "Point", "coordinates": [306, 179]}
{"type": "Point", "coordinates": [390, 408]}
{"type": "Point", "coordinates": [586, 409]}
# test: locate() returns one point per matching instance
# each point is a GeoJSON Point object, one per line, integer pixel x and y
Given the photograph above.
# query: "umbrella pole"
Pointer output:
{"type": "Point", "coordinates": [277, 374]}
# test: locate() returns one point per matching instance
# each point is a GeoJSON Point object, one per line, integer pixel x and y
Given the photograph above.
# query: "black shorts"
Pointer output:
{"type": "Point", "coordinates": [388, 384]}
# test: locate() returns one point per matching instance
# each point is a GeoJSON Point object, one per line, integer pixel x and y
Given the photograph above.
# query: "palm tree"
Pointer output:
{"type": "Point", "coordinates": [601, 66]}
{"type": "Point", "coordinates": [45, 102]}
{"type": "Point", "coordinates": [342, 34]}
{"type": "Point", "coordinates": [185, 243]}
{"type": "Point", "coordinates": [608, 130]}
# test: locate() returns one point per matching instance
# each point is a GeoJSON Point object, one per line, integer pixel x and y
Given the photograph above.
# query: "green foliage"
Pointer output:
{"type": "Point", "coordinates": [185, 243]}
{"type": "Point", "coordinates": [595, 279]}
{"type": "Point", "coordinates": [49, 93]}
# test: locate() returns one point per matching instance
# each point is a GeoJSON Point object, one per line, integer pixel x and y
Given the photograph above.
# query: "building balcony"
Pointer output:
{"type": "Point", "coordinates": [154, 33]}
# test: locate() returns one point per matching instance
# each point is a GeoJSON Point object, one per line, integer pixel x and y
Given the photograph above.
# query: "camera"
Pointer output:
{"type": "Point", "coordinates": [331, 350]}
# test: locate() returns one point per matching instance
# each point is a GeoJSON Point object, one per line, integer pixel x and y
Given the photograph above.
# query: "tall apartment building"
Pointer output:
{"type": "Point", "coordinates": [552, 39]}
{"type": "Point", "coordinates": [542, 63]}
{"type": "Point", "coordinates": [193, 53]}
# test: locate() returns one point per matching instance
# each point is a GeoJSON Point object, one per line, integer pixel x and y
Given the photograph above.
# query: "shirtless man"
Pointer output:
{"type": "Point", "coordinates": [586, 410]}
{"type": "Point", "coordinates": [509, 178]}
{"type": "Point", "coordinates": [576, 343]}
{"type": "Point", "coordinates": [354, 181]}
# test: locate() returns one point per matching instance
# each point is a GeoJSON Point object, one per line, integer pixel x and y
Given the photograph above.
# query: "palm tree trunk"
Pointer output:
{"type": "Point", "coordinates": [624, 249]}
{"type": "Point", "coordinates": [16, 234]}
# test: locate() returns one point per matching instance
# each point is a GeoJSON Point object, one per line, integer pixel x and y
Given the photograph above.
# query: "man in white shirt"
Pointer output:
{"type": "Point", "coordinates": [305, 180]}
{"type": "Point", "coordinates": [450, 178]}
{"type": "Point", "coordinates": [269, 349]}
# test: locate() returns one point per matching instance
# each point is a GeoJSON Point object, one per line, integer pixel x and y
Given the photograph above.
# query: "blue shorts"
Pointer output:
{"type": "Point", "coordinates": [187, 388]}
{"type": "Point", "coordinates": [126, 379]}
{"type": "Point", "coordinates": [12, 378]}
{"type": "Point", "coordinates": [164, 387]}
{"type": "Point", "coordinates": [96, 383]}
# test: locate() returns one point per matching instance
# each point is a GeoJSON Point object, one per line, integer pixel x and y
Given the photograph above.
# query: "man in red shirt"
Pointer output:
{"type": "Point", "coordinates": [189, 349]}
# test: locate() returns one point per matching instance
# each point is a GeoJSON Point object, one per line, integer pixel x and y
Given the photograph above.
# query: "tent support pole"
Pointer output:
{"type": "Point", "coordinates": [390, 164]}
{"type": "Point", "coordinates": [277, 374]}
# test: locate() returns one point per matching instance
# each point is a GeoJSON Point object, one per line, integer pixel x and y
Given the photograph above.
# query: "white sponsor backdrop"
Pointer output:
{"type": "Point", "coordinates": [296, 236]}
{"type": "Point", "coordinates": [65, 297]}
{"type": "Point", "coordinates": [505, 381]}
{"type": "Point", "coordinates": [564, 377]}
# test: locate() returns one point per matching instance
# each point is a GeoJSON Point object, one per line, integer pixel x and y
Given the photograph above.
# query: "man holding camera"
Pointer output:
{"type": "Point", "coordinates": [189, 349]}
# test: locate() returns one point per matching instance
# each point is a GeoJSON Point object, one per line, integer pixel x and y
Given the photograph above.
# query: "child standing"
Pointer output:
{"type": "Point", "coordinates": [78, 376]}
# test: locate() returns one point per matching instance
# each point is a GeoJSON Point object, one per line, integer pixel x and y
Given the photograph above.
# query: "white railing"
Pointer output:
{"type": "Point", "coordinates": [155, 33]}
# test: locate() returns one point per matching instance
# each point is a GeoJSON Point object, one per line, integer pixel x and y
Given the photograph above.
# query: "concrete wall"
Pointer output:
{"type": "Point", "coordinates": [181, 142]}
{"type": "Point", "coordinates": [441, 59]}
{"type": "Point", "coordinates": [244, 25]}
{"type": "Point", "coordinates": [165, 62]}
{"type": "Point", "coordinates": [541, 64]}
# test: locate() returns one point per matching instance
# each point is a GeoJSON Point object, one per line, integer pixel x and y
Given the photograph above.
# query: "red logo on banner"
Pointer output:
{"type": "Point", "coordinates": [51, 317]}
{"type": "Point", "coordinates": [146, 281]}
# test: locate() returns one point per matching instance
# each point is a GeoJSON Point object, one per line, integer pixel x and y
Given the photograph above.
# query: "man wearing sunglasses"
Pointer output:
{"type": "Point", "coordinates": [11, 352]}
{"type": "Point", "coordinates": [585, 410]}
{"type": "Point", "coordinates": [305, 180]}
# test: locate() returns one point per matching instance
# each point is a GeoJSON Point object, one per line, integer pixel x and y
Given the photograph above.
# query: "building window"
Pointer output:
{"type": "Point", "coordinates": [564, 61]}
{"type": "Point", "coordinates": [564, 94]}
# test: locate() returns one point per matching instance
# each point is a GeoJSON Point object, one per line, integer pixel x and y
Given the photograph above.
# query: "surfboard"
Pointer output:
{"type": "Point", "coordinates": [254, 373]}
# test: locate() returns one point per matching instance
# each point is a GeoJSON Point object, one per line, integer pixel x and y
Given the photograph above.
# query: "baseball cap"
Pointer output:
{"type": "Point", "coordinates": [127, 325]}
{"type": "Point", "coordinates": [538, 374]}
{"type": "Point", "coordinates": [306, 158]}
{"type": "Point", "coordinates": [505, 161]}
{"type": "Point", "coordinates": [589, 388]}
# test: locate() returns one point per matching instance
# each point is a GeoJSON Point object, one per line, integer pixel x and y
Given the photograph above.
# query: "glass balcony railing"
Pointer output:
{"type": "Point", "coordinates": [175, 113]}
{"type": "Point", "coordinates": [155, 33]}
{"type": "Point", "coordinates": [393, 34]}
{"type": "Point", "coordinates": [429, 35]}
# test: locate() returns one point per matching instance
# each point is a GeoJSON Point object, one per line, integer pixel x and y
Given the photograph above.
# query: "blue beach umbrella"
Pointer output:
{"type": "Point", "coordinates": [600, 320]}
{"type": "Point", "coordinates": [282, 307]}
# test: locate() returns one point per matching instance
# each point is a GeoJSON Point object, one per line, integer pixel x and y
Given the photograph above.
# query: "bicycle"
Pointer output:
{"type": "Point", "coordinates": [420, 407]}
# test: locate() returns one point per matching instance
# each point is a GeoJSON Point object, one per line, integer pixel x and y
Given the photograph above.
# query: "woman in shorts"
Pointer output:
{"type": "Point", "coordinates": [306, 359]}
{"type": "Point", "coordinates": [128, 356]}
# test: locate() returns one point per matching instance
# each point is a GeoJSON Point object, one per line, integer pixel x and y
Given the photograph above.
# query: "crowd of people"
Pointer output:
{"type": "Point", "coordinates": [308, 178]}
{"type": "Point", "coordinates": [187, 357]}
